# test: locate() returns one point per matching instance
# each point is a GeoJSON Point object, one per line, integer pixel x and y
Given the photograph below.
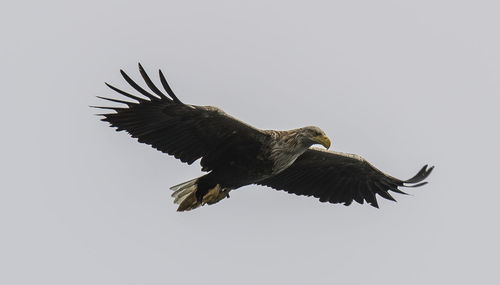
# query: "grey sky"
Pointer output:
{"type": "Point", "coordinates": [402, 83]}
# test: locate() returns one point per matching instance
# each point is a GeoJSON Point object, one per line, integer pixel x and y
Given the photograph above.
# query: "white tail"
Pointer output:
{"type": "Point", "coordinates": [185, 195]}
{"type": "Point", "coordinates": [183, 189]}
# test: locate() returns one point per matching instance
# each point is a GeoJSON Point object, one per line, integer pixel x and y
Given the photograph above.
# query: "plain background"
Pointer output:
{"type": "Point", "coordinates": [402, 83]}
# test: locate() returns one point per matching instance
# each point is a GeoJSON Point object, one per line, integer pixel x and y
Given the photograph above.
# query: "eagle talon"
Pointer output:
{"type": "Point", "coordinates": [214, 195]}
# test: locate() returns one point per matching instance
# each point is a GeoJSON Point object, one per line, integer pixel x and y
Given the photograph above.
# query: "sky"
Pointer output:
{"type": "Point", "coordinates": [401, 83]}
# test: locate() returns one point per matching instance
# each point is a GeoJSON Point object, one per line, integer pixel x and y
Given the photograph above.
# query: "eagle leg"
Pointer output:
{"type": "Point", "coordinates": [190, 195]}
{"type": "Point", "coordinates": [214, 195]}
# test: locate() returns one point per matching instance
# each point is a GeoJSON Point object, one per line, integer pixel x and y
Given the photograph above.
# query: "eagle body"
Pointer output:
{"type": "Point", "coordinates": [242, 164]}
{"type": "Point", "coordinates": [235, 154]}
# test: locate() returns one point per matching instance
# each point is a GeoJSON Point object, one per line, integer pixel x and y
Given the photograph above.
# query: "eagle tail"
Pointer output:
{"type": "Point", "coordinates": [185, 195]}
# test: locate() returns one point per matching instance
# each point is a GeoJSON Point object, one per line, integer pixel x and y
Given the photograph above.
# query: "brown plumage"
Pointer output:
{"type": "Point", "coordinates": [236, 154]}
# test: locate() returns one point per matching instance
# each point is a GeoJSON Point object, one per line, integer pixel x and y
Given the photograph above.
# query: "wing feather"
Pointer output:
{"type": "Point", "coordinates": [187, 132]}
{"type": "Point", "coordinates": [167, 88]}
{"type": "Point", "coordinates": [341, 178]}
{"type": "Point", "coordinates": [150, 83]}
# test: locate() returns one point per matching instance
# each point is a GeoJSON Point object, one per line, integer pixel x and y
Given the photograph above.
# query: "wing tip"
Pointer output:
{"type": "Point", "coordinates": [167, 87]}
{"type": "Point", "coordinates": [150, 84]}
{"type": "Point", "coordinates": [422, 174]}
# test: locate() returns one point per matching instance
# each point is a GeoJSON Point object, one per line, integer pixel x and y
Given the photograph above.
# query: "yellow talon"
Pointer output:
{"type": "Point", "coordinates": [214, 195]}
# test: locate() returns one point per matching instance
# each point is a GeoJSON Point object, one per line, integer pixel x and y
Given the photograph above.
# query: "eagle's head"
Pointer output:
{"type": "Point", "coordinates": [311, 135]}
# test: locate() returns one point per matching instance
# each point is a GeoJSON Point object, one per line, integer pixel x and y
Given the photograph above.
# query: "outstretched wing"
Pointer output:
{"type": "Point", "coordinates": [340, 178]}
{"type": "Point", "coordinates": [185, 131]}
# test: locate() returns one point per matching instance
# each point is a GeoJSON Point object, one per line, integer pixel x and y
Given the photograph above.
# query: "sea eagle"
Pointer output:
{"type": "Point", "coordinates": [236, 154]}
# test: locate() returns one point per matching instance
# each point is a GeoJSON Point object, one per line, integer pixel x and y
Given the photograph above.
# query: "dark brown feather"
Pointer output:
{"type": "Point", "coordinates": [340, 178]}
{"type": "Point", "coordinates": [187, 132]}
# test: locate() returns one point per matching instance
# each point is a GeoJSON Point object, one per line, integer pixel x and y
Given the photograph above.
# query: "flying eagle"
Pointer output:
{"type": "Point", "coordinates": [236, 154]}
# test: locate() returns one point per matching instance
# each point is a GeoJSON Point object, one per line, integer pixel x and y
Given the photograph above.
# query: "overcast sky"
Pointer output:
{"type": "Point", "coordinates": [402, 83]}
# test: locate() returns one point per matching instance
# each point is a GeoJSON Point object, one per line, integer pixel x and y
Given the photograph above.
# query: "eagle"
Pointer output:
{"type": "Point", "coordinates": [235, 154]}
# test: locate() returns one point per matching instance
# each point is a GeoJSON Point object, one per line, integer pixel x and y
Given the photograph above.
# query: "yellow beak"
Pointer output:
{"type": "Point", "coordinates": [323, 140]}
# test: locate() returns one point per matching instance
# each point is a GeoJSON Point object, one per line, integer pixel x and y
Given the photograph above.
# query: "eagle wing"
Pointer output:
{"type": "Point", "coordinates": [340, 178]}
{"type": "Point", "coordinates": [187, 132]}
